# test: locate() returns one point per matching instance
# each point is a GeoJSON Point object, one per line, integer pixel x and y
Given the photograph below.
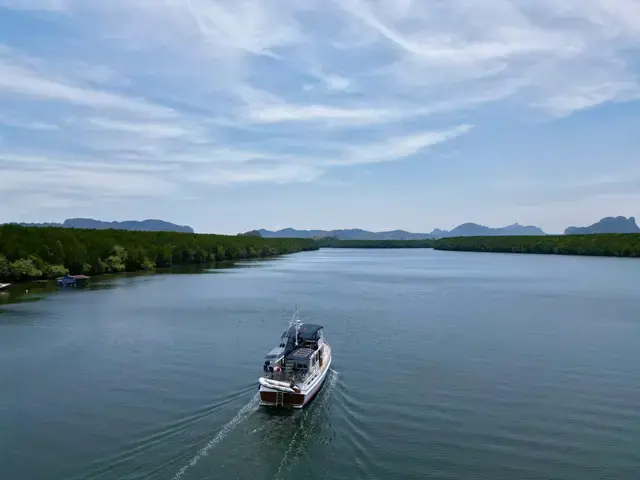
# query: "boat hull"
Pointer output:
{"type": "Point", "coordinates": [268, 396]}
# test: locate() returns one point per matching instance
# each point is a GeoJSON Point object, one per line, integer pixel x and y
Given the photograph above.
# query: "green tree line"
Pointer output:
{"type": "Point", "coordinates": [610, 244]}
{"type": "Point", "coordinates": [335, 243]}
{"type": "Point", "coordinates": [47, 252]}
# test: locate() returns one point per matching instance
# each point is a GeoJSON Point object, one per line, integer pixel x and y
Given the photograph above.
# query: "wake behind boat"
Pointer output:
{"type": "Point", "coordinates": [294, 372]}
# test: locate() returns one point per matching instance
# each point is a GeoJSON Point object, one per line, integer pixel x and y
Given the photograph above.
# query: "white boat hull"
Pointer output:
{"type": "Point", "coordinates": [269, 389]}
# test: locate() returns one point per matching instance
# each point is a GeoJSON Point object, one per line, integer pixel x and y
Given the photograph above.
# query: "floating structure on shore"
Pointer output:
{"type": "Point", "coordinates": [72, 281]}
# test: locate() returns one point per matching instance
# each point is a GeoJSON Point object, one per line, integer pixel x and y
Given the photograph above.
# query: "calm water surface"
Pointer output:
{"type": "Point", "coordinates": [446, 366]}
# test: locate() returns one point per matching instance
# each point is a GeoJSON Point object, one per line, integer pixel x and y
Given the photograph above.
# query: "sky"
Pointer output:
{"type": "Point", "coordinates": [318, 114]}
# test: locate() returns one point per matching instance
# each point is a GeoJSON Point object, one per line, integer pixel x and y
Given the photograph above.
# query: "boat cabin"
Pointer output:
{"type": "Point", "coordinates": [295, 359]}
{"type": "Point", "coordinates": [301, 361]}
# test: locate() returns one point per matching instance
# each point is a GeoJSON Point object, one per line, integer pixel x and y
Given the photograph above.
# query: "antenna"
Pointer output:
{"type": "Point", "coordinates": [295, 322]}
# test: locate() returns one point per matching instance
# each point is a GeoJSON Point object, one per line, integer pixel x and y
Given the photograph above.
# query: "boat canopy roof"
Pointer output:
{"type": "Point", "coordinates": [309, 331]}
{"type": "Point", "coordinates": [275, 353]}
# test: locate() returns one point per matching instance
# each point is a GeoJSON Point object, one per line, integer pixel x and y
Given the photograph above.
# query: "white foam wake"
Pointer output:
{"type": "Point", "coordinates": [310, 416]}
{"type": "Point", "coordinates": [242, 415]}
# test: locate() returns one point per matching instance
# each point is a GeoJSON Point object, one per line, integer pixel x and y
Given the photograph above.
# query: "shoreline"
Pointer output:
{"type": "Point", "coordinates": [33, 290]}
{"type": "Point", "coordinates": [612, 245]}
{"type": "Point", "coordinates": [182, 269]}
{"type": "Point", "coordinates": [38, 253]}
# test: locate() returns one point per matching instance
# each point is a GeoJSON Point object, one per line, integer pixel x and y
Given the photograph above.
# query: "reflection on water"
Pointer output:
{"type": "Point", "coordinates": [26, 292]}
{"type": "Point", "coordinates": [452, 366]}
{"type": "Point", "coordinates": [34, 291]}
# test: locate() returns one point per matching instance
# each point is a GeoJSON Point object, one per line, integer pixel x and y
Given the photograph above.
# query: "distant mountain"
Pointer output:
{"type": "Point", "coordinates": [252, 233]}
{"type": "Point", "coordinates": [437, 233]}
{"type": "Point", "coordinates": [144, 225]}
{"type": "Point", "coordinates": [464, 230]}
{"type": "Point", "coordinates": [40, 224]}
{"type": "Point", "coordinates": [475, 230]}
{"type": "Point", "coordinates": [351, 234]}
{"type": "Point", "coordinates": [293, 233]}
{"type": "Point", "coordinates": [607, 225]}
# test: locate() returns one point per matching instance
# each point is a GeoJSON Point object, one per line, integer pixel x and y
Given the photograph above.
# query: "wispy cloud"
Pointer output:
{"type": "Point", "coordinates": [545, 49]}
{"type": "Point", "coordinates": [332, 81]}
{"type": "Point", "coordinates": [306, 113]}
{"type": "Point", "coordinates": [256, 27]}
{"type": "Point", "coordinates": [397, 148]}
{"type": "Point", "coordinates": [99, 181]}
{"type": "Point", "coordinates": [264, 107]}
{"type": "Point", "coordinates": [28, 125]}
{"type": "Point", "coordinates": [163, 96]}
{"type": "Point", "coordinates": [289, 168]}
{"type": "Point", "coordinates": [18, 79]}
{"type": "Point", "coordinates": [47, 5]}
{"type": "Point", "coordinates": [153, 130]}
{"type": "Point", "coordinates": [520, 37]}
{"type": "Point", "coordinates": [580, 98]}
{"type": "Point", "coordinates": [277, 173]}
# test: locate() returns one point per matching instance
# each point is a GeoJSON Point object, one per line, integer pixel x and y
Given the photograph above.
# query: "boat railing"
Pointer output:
{"type": "Point", "coordinates": [283, 376]}
{"type": "Point", "coordinates": [279, 376]}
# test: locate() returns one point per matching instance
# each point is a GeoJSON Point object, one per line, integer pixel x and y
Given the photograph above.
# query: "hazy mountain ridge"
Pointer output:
{"type": "Point", "coordinates": [618, 224]}
{"type": "Point", "coordinates": [607, 225]}
{"type": "Point", "coordinates": [348, 234]}
{"type": "Point", "coordinates": [464, 230]}
{"type": "Point", "coordinates": [149, 225]}
{"type": "Point", "coordinates": [45, 224]}
{"type": "Point", "coordinates": [475, 230]}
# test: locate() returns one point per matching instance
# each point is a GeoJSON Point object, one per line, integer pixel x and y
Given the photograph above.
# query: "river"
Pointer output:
{"type": "Point", "coordinates": [447, 365]}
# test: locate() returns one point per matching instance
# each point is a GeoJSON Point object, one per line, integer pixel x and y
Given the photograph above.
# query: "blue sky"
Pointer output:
{"type": "Point", "coordinates": [234, 115]}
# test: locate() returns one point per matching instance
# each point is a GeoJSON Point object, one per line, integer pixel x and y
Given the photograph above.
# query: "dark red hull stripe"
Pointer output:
{"type": "Point", "coordinates": [289, 398]}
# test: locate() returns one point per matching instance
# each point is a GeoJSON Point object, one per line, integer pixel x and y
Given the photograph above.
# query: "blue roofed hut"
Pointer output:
{"type": "Point", "coordinates": [72, 281]}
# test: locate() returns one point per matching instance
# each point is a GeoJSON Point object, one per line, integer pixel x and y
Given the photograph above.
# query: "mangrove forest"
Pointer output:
{"type": "Point", "coordinates": [335, 243]}
{"type": "Point", "coordinates": [604, 245]}
{"type": "Point", "coordinates": [28, 253]}
{"type": "Point", "coordinates": [609, 245]}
